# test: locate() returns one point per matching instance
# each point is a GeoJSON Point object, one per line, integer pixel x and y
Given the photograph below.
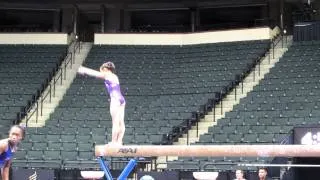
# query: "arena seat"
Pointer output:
{"type": "Point", "coordinates": [23, 70]}
{"type": "Point", "coordinates": [163, 86]}
{"type": "Point", "coordinates": [288, 96]}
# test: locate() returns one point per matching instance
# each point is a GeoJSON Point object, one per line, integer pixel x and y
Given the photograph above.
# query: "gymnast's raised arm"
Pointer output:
{"type": "Point", "coordinates": [91, 72]}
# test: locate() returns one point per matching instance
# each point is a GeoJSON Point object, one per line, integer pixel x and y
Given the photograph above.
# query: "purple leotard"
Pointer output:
{"type": "Point", "coordinates": [114, 91]}
{"type": "Point", "coordinates": [5, 156]}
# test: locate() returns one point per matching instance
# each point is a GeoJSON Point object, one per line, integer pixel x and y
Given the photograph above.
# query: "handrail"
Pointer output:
{"type": "Point", "coordinates": [274, 42]}
{"type": "Point", "coordinates": [60, 73]}
{"type": "Point", "coordinates": [55, 80]}
{"type": "Point", "coordinates": [66, 63]}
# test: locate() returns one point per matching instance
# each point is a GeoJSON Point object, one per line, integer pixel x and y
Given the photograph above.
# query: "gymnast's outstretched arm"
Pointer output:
{"type": "Point", "coordinates": [91, 72]}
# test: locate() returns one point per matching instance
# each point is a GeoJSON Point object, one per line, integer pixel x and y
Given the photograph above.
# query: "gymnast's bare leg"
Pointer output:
{"type": "Point", "coordinates": [118, 126]}
{"type": "Point", "coordinates": [117, 103]}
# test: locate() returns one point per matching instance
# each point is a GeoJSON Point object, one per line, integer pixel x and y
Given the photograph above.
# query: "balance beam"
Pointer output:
{"type": "Point", "coordinates": [208, 150]}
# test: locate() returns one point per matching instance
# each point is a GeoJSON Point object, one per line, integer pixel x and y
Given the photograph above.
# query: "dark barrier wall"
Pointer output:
{"type": "Point", "coordinates": [306, 173]}
{"type": "Point", "coordinates": [39, 174]}
{"type": "Point", "coordinates": [306, 31]}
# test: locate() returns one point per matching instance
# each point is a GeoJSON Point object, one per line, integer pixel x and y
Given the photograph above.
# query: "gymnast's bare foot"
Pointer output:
{"type": "Point", "coordinates": [111, 143]}
{"type": "Point", "coordinates": [115, 143]}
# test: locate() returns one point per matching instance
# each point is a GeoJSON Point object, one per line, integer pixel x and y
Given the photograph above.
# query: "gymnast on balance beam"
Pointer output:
{"type": "Point", "coordinates": [117, 101]}
{"type": "Point", "coordinates": [8, 147]}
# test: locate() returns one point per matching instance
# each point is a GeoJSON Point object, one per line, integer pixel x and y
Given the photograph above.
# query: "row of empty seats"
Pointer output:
{"type": "Point", "coordinates": [287, 97]}
{"type": "Point", "coordinates": [23, 70]}
{"type": "Point", "coordinates": [163, 86]}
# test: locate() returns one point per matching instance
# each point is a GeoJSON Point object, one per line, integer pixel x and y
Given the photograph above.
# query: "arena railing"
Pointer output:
{"type": "Point", "coordinates": [48, 88]}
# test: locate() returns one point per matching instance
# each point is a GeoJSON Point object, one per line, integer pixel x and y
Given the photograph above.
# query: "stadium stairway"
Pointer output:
{"type": "Point", "coordinates": [232, 99]}
{"type": "Point", "coordinates": [49, 104]}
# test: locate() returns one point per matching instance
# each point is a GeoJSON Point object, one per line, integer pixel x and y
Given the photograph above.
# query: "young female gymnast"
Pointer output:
{"type": "Point", "coordinates": [117, 103]}
{"type": "Point", "coordinates": [7, 148]}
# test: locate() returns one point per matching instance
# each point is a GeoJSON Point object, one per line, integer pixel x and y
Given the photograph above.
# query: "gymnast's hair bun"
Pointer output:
{"type": "Point", "coordinates": [109, 65]}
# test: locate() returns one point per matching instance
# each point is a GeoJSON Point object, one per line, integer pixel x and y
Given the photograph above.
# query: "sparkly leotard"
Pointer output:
{"type": "Point", "coordinates": [5, 156]}
{"type": "Point", "coordinates": [114, 91]}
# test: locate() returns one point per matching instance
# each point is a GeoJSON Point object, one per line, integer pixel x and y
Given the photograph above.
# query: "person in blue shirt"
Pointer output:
{"type": "Point", "coordinates": [8, 147]}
